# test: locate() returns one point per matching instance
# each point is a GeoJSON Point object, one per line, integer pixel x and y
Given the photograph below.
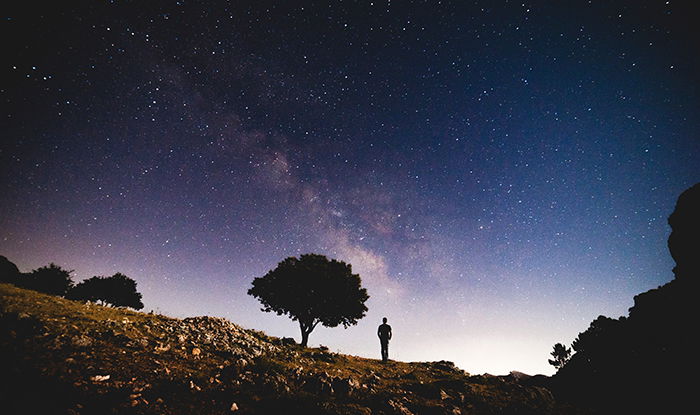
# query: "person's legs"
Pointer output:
{"type": "Point", "coordinates": [385, 351]}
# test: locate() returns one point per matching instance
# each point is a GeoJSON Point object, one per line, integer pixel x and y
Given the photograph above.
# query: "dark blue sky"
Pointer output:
{"type": "Point", "coordinates": [499, 173]}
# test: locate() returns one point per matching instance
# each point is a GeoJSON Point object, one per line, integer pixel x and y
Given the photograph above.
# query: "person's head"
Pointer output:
{"type": "Point", "coordinates": [384, 320]}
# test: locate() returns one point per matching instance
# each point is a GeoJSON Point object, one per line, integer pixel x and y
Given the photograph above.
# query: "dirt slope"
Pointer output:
{"type": "Point", "coordinates": [61, 356]}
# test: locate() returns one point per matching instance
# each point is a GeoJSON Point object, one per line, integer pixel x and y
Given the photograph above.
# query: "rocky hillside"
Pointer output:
{"type": "Point", "coordinates": [61, 356]}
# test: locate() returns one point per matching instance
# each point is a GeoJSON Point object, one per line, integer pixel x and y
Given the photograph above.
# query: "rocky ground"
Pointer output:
{"type": "Point", "coordinates": [61, 356]}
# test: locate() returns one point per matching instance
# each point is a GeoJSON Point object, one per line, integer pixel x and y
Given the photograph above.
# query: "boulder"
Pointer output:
{"type": "Point", "coordinates": [81, 341]}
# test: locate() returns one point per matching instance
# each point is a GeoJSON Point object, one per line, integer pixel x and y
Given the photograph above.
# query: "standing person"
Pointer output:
{"type": "Point", "coordinates": [384, 333]}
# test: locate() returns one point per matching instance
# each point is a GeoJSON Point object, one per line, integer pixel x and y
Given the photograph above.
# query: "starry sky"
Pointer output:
{"type": "Point", "coordinates": [499, 173]}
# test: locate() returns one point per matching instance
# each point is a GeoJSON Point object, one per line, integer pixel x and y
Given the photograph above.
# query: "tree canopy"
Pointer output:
{"type": "Point", "coordinates": [561, 355]}
{"type": "Point", "coordinates": [51, 279]}
{"type": "Point", "coordinates": [312, 289]}
{"type": "Point", "coordinates": [117, 290]}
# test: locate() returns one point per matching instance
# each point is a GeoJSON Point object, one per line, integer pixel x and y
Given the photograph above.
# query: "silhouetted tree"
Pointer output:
{"type": "Point", "coordinates": [50, 280]}
{"type": "Point", "coordinates": [117, 290]}
{"type": "Point", "coordinates": [598, 334]}
{"type": "Point", "coordinates": [8, 271]}
{"type": "Point", "coordinates": [91, 289]}
{"type": "Point", "coordinates": [123, 292]}
{"type": "Point", "coordinates": [561, 355]}
{"type": "Point", "coordinates": [311, 290]}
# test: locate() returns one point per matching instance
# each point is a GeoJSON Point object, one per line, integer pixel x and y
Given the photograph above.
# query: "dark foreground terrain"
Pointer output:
{"type": "Point", "coordinates": [61, 356]}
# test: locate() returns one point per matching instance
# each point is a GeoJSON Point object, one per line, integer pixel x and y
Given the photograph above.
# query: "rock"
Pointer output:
{"type": "Point", "coordinates": [326, 387]}
{"type": "Point", "coordinates": [345, 386]}
{"type": "Point", "coordinates": [517, 376]}
{"type": "Point", "coordinates": [398, 408]}
{"type": "Point", "coordinates": [234, 407]}
{"type": "Point", "coordinates": [288, 341]}
{"type": "Point", "coordinates": [444, 365]}
{"type": "Point", "coordinates": [207, 338]}
{"type": "Point", "coordinates": [196, 351]}
{"type": "Point", "coordinates": [320, 383]}
{"type": "Point", "coordinates": [81, 341]}
{"type": "Point", "coordinates": [121, 339]}
{"type": "Point", "coordinates": [99, 378]}
{"type": "Point", "coordinates": [541, 394]}
{"type": "Point", "coordinates": [162, 348]}
{"type": "Point", "coordinates": [137, 343]}
{"type": "Point", "coordinates": [360, 410]}
{"type": "Point", "coordinates": [443, 395]}
{"type": "Point", "coordinates": [324, 356]}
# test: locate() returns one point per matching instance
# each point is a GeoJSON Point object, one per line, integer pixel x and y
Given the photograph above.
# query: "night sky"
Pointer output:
{"type": "Point", "coordinates": [499, 173]}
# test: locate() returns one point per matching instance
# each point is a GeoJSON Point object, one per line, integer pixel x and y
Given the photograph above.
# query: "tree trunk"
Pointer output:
{"type": "Point", "coordinates": [304, 338]}
{"type": "Point", "coordinates": [306, 329]}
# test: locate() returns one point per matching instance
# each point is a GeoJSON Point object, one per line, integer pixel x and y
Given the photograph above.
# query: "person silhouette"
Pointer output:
{"type": "Point", "coordinates": [384, 333]}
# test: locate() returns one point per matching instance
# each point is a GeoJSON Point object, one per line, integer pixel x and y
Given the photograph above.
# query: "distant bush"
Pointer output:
{"type": "Point", "coordinates": [51, 279]}
{"type": "Point", "coordinates": [117, 290]}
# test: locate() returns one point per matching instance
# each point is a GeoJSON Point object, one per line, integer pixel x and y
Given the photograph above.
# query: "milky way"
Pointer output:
{"type": "Point", "coordinates": [498, 173]}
